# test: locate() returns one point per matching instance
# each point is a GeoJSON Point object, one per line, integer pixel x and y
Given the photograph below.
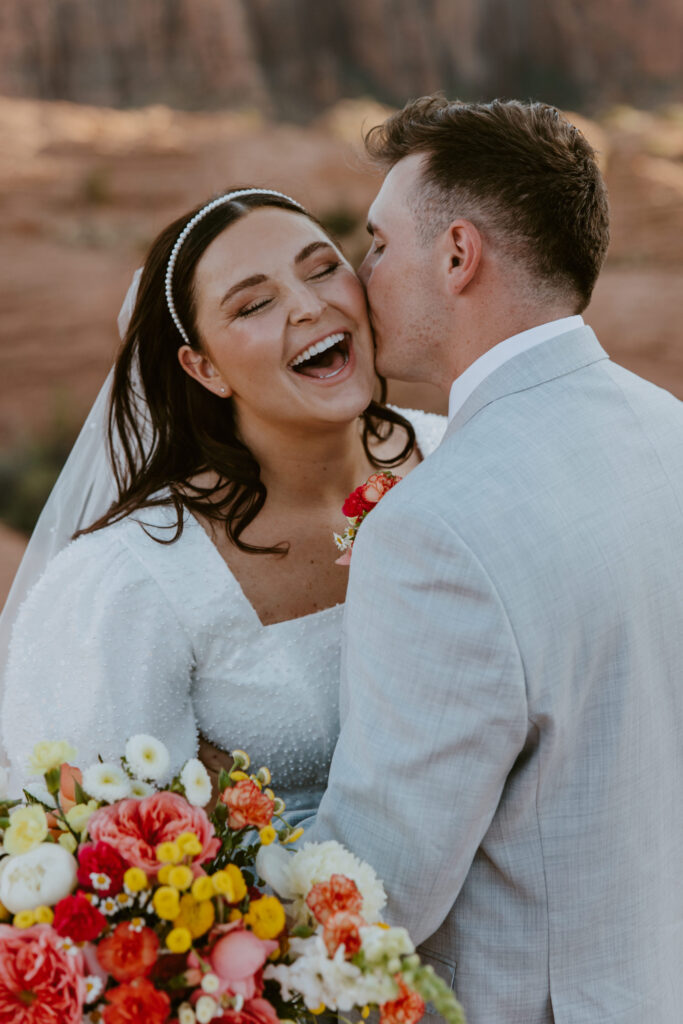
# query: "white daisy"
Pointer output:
{"type": "Point", "coordinates": [197, 783]}
{"type": "Point", "coordinates": [205, 1009]}
{"type": "Point", "coordinates": [140, 789]}
{"type": "Point", "coordinates": [147, 757]}
{"type": "Point", "coordinates": [93, 988]}
{"type": "Point", "coordinates": [186, 1014]}
{"type": "Point", "coordinates": [106, 782]}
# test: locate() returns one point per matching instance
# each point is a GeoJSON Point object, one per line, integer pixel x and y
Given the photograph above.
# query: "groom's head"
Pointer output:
{"type": "Point", "coordinates": [492, 217]}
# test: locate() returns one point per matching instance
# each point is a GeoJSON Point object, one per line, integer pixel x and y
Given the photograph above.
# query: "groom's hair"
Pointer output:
{"type": "Point", "coordinates": [521, 172]}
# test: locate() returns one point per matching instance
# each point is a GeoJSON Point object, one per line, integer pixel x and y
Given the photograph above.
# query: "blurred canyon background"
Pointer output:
{"type": "Point", "coordinates": [117, 117]}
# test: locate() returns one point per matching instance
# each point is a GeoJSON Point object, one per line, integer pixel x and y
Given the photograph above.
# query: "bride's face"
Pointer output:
{"type": "Point", "coordinates": [268, 291]}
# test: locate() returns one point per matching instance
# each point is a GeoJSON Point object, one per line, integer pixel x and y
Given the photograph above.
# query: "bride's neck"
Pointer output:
{"type": "Point", "coordinates": [313, 466]}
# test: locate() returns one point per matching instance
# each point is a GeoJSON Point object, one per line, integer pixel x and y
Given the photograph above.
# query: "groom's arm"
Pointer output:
{"type": "Point", "coordinates": [434, 712]}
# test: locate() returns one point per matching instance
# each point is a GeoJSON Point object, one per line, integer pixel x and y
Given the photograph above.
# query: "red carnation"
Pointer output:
{"type": "Point", "coordinates": [101, 859]}
{"type": "Point", "coordinates": [343, 929]}
{"type": "Point", "coordinates": [340, 893]}
{"type": "Point", "coordinates": [136, 1003]}
{"type": "Point", "coordinates": [355, 505]}
{"type": "Point", "coordinates": [407, 1008]}
{"type": "Point", "coordinates": [128, 953]}
{"type": "Point", "coordinates": [247, 805]}
{"type": "Point", "coordinates": [77, 919]}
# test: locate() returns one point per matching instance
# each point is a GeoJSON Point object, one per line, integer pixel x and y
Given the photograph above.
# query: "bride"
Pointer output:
{"type": "Point", "coordinates": [204, 601]}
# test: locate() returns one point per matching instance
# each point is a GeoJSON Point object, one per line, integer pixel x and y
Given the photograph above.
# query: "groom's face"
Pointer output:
{"type": "Point", "coordinates": [400, 278]}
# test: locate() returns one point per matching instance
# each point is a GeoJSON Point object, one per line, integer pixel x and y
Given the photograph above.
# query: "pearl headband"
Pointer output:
{"type": "Point", "coordinates": [220, 201]}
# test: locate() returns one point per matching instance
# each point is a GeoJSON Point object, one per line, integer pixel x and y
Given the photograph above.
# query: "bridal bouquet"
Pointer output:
{"type": "Point", "coordinates": [124, 902]}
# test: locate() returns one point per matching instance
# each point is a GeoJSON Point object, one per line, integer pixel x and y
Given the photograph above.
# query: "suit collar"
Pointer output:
{"type": "Point", "coordinates": [556, 357]}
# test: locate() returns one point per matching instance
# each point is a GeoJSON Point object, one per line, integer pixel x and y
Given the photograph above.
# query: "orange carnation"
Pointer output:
{"type": "Point", "coordinates": [136, 1002]}
{"type": "Point", "coordinates": [247, 805]}
{"type": "Point", "coordinates": [343, 929]}
{"type": "Point", "coordinates": [128, 953]}
{"type": "Point", "coordinates": [340, 893]}
{"type": "Point", "coordinates": [407, 1008]}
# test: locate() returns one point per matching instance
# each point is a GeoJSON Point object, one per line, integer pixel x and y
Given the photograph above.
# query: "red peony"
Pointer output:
{"type": "Point", "coordinates": [247, 805]}
{"type": "Point", "coordinates": [40, 983]}
{"type": "Point", "coordinates": [340, 893]}
{"type": "Point", "coordinates": [343, 929]}
{"type": "Point", "coordinates": [128, 953]}
{"type": "Point", "coordinates": [137, 1003]}
{"type": "Point", "coordinates": [254, 1011]}
{"type": "Point", "coordinates": [101, 859]}
{"type": "Point", "coordinates": [77, 919]}
{"type": "Point", "coordinates": [136, 827]}
{"type": "Point", "coordinates": [407, 1008]}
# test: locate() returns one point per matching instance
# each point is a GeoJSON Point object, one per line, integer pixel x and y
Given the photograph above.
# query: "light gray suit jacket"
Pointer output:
{"type": "Point", "coordinates": [511, 753]}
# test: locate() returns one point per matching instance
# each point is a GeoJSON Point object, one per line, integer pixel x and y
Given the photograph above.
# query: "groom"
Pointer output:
{"type": "Point", "coordinates": [511, 753]}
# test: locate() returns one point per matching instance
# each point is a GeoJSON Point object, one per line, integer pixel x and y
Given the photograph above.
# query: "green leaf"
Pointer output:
{"type": "Point", "coordinates": [224, 780]}
{"type": "Point", "coordinates": [79, 793]}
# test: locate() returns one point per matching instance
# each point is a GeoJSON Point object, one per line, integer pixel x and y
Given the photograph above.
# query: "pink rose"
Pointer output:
{"type": "Point", "coordinates": [254, 1011]}
{"type": "Point", "coordinates": [237, 959]}
{"type": "Point", "coordinates": [39, 982]}
{"type": "Point", "coordinates": [136, 827]}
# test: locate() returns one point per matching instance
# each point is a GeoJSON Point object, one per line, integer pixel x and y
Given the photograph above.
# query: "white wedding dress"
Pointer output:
{"type": "Point", "coordinates": [123, 635]}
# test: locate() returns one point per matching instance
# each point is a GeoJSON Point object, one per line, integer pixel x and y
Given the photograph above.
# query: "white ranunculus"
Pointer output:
{"type": "Point", "coordinates": [106, 781]}
{"type": "Point", "coordinates": [197, 783]}
{"type": "Point", "coordinates": [41, 877]}
{"type": "Point", "coordinates": [148, 757]}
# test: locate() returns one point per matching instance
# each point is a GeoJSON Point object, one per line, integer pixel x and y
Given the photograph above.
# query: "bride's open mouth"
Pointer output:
{"type": "Point", "coordinates": [325, 359]}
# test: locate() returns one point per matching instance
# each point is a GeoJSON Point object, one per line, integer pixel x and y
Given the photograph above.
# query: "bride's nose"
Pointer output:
{"type": "Point", "coordinates": [305, 304]}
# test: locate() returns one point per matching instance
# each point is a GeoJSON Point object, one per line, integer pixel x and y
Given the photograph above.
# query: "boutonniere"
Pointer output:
{"type": "Point", "coordinates": [357, 506]}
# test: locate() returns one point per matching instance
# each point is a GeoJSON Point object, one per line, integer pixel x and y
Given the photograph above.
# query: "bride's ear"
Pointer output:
{"type": "Point", "coordinates": [200, 368]}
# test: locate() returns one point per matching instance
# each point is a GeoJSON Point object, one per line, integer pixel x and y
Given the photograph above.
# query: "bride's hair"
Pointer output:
{"type": "Point", "coordinates": [160, 439]}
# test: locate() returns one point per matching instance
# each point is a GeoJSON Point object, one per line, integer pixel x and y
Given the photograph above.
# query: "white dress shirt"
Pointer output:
{"type": "Point", "coordinates": [483, 367]}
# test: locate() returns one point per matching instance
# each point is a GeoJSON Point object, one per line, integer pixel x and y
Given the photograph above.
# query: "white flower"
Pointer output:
{"type": "Point", "coordinates": [186, 1014]}
{"type": "Point", "coordinates": [147, 757]}
{"type": "Point", "coordinates": [334, 981]}
{"type": "Point", "coordinates": [317, 862]}
{"type": "Point", "coordinates": [4, 781]}
{"type": "Point", "coordinates": [140, 789]}
{"type": "Point", "coordinates": [106, 782]}
{"type": "Point", "coordinates": [93, 987]}
{"type": "Point", "coordinates": [197, 783]}
{"type": "Point", "coordinates": [41, 877]}
{"type": "Point", "coordinates": [48, 755]}
{"type": "Point", "coordinates": [210, 983]}
{"type": "Point", "coordinates": [383, 944]}
{"type": "Point", "coordinates": [205, 1009]}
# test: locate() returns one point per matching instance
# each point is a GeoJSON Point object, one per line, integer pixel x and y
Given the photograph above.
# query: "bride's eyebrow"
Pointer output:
{"type": "Point", "coordinates": [300, 257]}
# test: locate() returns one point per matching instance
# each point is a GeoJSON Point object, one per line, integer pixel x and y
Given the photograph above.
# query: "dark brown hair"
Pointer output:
{"type": "Point", "coordinates": [520, 171]}
{"type": "Point", "coordinates": [160, 442]}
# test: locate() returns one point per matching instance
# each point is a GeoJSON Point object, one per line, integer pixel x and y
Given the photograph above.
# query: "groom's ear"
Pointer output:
{"type": "Point", "coordinates": [200, 368]}
{"type": "Point", "coordinates": [462, 246]}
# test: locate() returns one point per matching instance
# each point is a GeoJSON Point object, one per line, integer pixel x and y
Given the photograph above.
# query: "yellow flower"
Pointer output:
{"type": "Point", "coordinates": [266, 917]}
{"type": "Point", "coordinates": [179, 940]}
{"type": "Point", "coordinates": [68, 842]}
{"type": "Point", "coordinates": [28, 828]}
{"type": "Point", "coordinates": [319, 1009]}
{"type": "Point", "coordinates": [4, 913]}
{"type": "Point", "coordinates": [24, 919]}
{"type": "Point", "coordinates": [135, 879]}
{"type": "Point", "coordinates": [241, 759]}
{"type": "Point", "coordinates": [238, 776]}
{"type": "Point", "coordinates": [166, 902]}
{"type": "Point", "coordinates": [267, 835]}
{"type": "Point", "coordinates": [44, 915]}
{"type": "Point", "coordinates": [230, 883]}
{"type": "Point", "coordinates": [202, 888]}
{"type": "Point", "coordinates": [169, 853]}
{"type": "Point", "coordinates": [48, 755]}
{"type": "Point", "coordinates": [79, 816]}
{"type": "Point", "coordinates": [197, 917]}
{"type": "Point", "coordinates": [180, 877]}
{"type": "Point", "coordinates": [235, 915]}
{"type": "Point", "coordinates": [365, 1012]}
{"type": "Point", "coordinates": [163, 873]}
{"type": "Point", "coordinates": [189, 844]}
{"type": "Point", "coordinates": [296, 834]}
{"type": "Point", "coordinates": [263, 775]}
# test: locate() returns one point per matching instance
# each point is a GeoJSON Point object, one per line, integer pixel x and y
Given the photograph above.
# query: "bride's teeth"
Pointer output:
{"type": "Point", "coordinates": [315, 350]}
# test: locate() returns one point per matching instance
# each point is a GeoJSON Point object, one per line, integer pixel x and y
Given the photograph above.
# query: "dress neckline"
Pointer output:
{"type": "Point", "coordinates": [196, 526]}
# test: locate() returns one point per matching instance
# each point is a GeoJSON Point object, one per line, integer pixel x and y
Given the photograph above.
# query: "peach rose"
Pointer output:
{"type": "Point", "coordinates": [136, 827]}
{"type": "Point", "coordinates": [39, 982]}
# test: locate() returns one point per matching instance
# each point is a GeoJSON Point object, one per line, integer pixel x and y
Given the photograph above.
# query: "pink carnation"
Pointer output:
{"type": "Point", "coordinates": [136, 827]}
{"type": "Point", "coordinates": [40, 983]}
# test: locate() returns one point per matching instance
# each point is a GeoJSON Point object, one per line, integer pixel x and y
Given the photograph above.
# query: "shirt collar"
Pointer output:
{"type": "Point", "coordinates": [481, 368]}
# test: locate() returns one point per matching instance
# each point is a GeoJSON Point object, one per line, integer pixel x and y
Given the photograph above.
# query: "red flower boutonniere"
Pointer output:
{"type": "Point", "coordinates": [357, 506]}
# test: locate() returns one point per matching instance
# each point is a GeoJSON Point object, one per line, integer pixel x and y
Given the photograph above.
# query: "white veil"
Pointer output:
{"type": "Point", "coordinates": [83, 492]}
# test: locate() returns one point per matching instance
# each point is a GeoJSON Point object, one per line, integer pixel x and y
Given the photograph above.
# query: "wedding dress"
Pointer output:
{"type": "Point", "coordinates": [123, 635]}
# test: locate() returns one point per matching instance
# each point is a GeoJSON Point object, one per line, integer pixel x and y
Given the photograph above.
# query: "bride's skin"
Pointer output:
{"type": "Point", "coordinates": [303, 431]}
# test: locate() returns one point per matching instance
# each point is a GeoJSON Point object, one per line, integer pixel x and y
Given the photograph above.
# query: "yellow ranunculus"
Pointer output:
{"type": "Point", "coordinates": [196, 916]}
{"type": "Point", "coordinates": [28, 828]}
{"type": "Point", "coordinates": [179, 940]}
{"type": "Point", "coordinates": [180, 877]}
{"type": "Point", "coordinates": [49, 755]}
{"type": "Point", "coordinates": [229, 883]}
{"type": "Point", "coordinates": [168, 853]}
{"type": "Point", "coordinates": [79, 815]}
{"type": "Point", "coordinates": [166, 902]}
{"type": "Point", "coordinates": [202, 888]}
{"type": "Point", "coordinates": [189, 844]}
{"type": "Point", "coordinates": [135, 880]}
{"type": "Point", "coordinates": [266, 917]}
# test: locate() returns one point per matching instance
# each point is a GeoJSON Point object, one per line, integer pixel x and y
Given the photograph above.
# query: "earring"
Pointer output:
{"type": "Point", "coordinates": [222, 391]}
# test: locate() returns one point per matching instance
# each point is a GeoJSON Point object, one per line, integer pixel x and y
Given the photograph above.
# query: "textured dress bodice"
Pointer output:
{"type": "Point", "coordinates": [124, 635]}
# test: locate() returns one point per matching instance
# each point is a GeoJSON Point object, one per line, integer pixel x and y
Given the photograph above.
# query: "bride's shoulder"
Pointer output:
{"type": "Point", "coordinates": [429, 428]}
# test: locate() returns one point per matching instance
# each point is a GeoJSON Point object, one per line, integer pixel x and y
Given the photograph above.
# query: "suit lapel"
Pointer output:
{"type": "Point", "coordinates": [553, 358]}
